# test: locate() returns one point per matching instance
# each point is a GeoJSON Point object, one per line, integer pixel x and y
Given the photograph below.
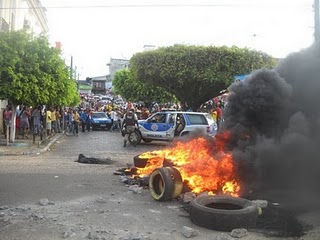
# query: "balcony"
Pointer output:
{"type": "Point", "coordinates": [4, 26]}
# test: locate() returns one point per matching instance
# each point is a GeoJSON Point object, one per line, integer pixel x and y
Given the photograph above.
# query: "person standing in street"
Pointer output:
{"type": "Point", "coordinates": [219, 116]}
{"type": "Point", "coordinates": [7, 121]}
{"type": "Point", "coordinates": [24, 122]}
{"type": "Point", "coordinates": [130, 124]}
{"type": "Point", "coordinates": [58, 118]}
{"type": "Point", "coordinates": [85, 120]}
{"type": "Point", "coordinates": [48, 123]}
{"type": "Point", "coordinates": [76, 120]}
{"type": "Point", "coordinates": [53, 121]}
{"type": "Point", "coordinates": [36, 115]}
{"type": "Point", "coordinates": [115, 120]}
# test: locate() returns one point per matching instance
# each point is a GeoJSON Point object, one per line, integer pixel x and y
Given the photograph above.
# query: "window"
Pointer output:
{"type": "Point", "coordinates": [197, 119]}
{"type": "Point", "coordinates": [159, 118]}
{"type": "Point", "coordinates": [99, 115]}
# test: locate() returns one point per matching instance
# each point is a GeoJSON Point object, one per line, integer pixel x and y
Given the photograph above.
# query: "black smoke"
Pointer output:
{"type": "Point", "coordinates": [274, 120]}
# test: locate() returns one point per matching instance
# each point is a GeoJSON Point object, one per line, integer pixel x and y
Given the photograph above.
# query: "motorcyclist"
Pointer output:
{"type": "Point", "coordinates": [129, 125]}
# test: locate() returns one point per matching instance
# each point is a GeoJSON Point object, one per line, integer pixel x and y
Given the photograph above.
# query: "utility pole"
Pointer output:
{"type": "Point", "coordinates": [316, 23]}
{"type": "Point", "coordinates": [75, 73]}
{"type": "Point", "coordinates": [71, 67]}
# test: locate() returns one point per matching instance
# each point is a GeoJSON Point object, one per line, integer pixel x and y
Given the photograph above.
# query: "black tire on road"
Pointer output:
{"type": "Point", "coordinates": [177, 182]}
{"type": "Point", "coordinates": [223, 213]}
{"type": "Point", "coordinates": [165, 183]}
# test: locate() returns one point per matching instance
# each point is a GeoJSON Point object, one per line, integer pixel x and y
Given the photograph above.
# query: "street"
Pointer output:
{"type": "Point", "coordinates": [34, 175]}
{"type": "Point", "coordinates": [50, 196]}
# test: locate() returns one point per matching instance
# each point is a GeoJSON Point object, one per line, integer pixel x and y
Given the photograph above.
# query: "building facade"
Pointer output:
{"type": "Point", "coordinates": [117, 64]}
{"type": "Point", "coordinates": [23, 14]}
{"type": "Point", "coordinates": [99, 85]}
{"type": "Point", "coordinates": [17, 15]}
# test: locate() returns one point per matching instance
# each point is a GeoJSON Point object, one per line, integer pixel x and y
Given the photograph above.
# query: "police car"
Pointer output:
{"type": "Point", "coordinates": [165, 126]}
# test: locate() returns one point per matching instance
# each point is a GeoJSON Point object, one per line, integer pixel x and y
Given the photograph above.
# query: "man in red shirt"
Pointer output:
{"type": "Point", "coordinates": [7, 120]}
{"type": "Point", "coordinates": [219, 116]}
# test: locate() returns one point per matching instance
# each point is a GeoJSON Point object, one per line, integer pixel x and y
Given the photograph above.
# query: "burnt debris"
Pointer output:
{"type": "Point", "coordinates": [93, 160]}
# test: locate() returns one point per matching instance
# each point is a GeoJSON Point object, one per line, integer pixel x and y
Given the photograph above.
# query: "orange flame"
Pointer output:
{"type": "Point", "coordinates": [203, 165]}
{"type": "Point", "coordinates": [154, 160]}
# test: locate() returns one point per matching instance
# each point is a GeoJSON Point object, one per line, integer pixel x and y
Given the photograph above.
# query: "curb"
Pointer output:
{"type": "Point", "coordinates": [35, 151]}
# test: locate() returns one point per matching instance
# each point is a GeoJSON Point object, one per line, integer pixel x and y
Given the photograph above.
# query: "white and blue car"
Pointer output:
{"type": "Point", "coordinates": [165, 126]}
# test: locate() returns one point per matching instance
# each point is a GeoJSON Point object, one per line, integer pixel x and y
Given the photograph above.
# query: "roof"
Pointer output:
{"type": "Point", "coordinates": [85, 87]}
{"type": "Point", "coordinates": [183, 112]}
{"type": "Point", "coordinates": [99, 78]}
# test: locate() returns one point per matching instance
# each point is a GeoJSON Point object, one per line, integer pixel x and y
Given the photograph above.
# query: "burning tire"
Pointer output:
{"type": "Point", "coordinates": [140, 162]}
{"type": "Point", "coordinates": [223, 213]}
{"type": "Point", "coordinates": [165, 183]}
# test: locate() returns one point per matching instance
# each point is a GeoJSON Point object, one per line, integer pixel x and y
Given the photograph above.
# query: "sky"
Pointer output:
{"type": "Point", "coordinates": [92, 32]}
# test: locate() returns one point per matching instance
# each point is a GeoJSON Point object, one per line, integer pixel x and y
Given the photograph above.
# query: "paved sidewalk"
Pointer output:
{"type": "Point", "coordinates": [25, 146]}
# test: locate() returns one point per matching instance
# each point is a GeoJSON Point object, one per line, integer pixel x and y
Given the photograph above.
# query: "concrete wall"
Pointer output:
{"type": "Point", "coordinates": [117, 64]}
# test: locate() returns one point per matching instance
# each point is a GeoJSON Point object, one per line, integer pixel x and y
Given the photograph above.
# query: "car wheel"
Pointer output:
{"type": "Point", "coordinates": [135, 137]}
{"type": "Point", "coordinates": [223, 213]}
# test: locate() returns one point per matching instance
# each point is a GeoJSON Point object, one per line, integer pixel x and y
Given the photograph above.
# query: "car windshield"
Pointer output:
{"type": "Point", "coordinates": [99, 115]}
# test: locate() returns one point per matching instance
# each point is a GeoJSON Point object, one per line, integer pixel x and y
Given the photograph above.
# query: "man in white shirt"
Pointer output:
{"type": "Point", "coordinates": [115, 120]}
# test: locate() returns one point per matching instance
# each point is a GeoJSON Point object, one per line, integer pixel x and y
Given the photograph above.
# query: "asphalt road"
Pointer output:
{"type": "Point", "coordinates": [50, 196]}
{"type": "Point", "coordinates": [34, 176]}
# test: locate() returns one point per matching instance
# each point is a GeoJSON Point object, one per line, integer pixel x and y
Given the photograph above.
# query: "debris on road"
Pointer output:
{"type": "Point", "coordinates": [93, 160]}
{"type": "Point", "coordinates": [189, 232]}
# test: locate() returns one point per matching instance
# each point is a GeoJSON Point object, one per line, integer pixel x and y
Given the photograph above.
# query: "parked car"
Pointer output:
{"type": "Point", "coordinates": [100, 120]}
{"type": "Point", "coordinates": [165, 126]}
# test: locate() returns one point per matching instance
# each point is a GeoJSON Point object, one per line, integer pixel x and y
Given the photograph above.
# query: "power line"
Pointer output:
{"type": "Point", "coordinates": [125, 6]}
{"type": "Point", "coordinates": [151, 6]}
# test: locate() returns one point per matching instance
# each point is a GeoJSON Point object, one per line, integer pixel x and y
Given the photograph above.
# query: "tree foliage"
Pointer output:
{"type": "Point", "coordinates": [32, 72]}
{"type": "Point", "coordinates": [135, 90]}
{"type": "Point", "coordinates": [196, 74]}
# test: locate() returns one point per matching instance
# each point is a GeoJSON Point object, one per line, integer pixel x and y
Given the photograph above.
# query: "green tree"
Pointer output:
{"type": "Point", "coordinates": [196, 74]}
{"type": "Point", "coordinates": [32, 72]}
{"type": "Point", "coordinates": [134, 90]}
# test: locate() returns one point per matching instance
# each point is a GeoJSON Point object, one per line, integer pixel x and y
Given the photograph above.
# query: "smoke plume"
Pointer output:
{"type": "Point", "coordinates": [274, 120]}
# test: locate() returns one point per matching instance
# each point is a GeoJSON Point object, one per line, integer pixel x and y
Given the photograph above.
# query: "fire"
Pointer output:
{"type": "Point", "coordinates": [203, 165]}
{"type": "Point", "coordinates": [232, 188]}
{"type": "Point", "coordinates": [154, 160]}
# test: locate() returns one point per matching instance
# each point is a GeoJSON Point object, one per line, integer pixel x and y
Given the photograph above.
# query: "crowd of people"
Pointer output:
{"type": "Point", "coordinates": [33, 120]}
{"type": "Point", "coordinates": [51, 120]}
